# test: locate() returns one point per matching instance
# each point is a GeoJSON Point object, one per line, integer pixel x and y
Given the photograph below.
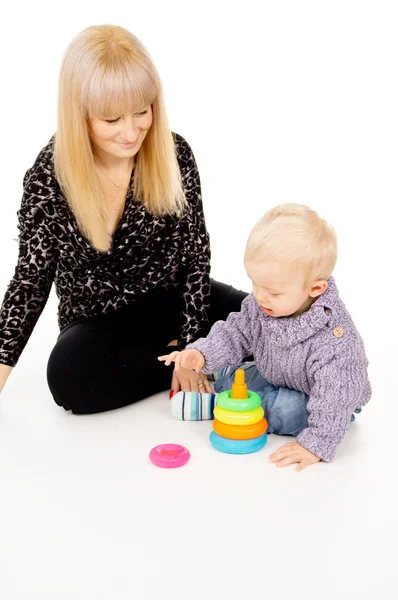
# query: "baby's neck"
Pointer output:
{"type": "Point", "coordinates": [305, 307]}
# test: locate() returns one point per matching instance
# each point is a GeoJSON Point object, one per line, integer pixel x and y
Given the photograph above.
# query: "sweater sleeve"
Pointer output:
{"type": "Point", "coordinates": [336, 393]}
{"type": "Point", "coordinates": [30, 286]}
{"type": "Point", "coordinates": [195, 253]}
{"type": "Point", "coordinates": [228, 341]}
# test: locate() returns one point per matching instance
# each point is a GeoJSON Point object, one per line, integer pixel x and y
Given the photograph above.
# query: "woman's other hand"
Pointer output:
{"type": "Point", "coordinates": [185, 380]}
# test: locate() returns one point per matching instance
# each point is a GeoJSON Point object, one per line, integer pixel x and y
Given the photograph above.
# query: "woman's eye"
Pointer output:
{"type": "Point", "coordinates": [138, 114]}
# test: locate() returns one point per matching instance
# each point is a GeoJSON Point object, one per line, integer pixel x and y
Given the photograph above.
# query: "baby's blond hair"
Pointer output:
{"type": "Point", "coordinates": [296, 236]}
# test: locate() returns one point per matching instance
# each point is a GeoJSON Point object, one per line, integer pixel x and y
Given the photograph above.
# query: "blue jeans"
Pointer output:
{"type": "Point", "coordinates": [285, 409]}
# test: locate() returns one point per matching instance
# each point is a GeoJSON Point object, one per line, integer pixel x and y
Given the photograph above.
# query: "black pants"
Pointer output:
{"type": "Point", "coordinates": [106, 362]}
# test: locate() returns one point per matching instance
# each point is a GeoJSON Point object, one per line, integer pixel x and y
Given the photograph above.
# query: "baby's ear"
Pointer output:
{"type": "Point", "coordinates": [318, 287]}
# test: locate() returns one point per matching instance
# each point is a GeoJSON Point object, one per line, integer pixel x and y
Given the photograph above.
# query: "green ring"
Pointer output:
{"type": "Point", "coordinates": [235, 404]}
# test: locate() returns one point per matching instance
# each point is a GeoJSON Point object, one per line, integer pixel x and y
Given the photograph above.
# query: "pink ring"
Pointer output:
{"type": "Point", "coordinates": [169, 456]}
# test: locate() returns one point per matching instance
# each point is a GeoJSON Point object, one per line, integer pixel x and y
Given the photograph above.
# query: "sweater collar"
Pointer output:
{"type": "Point", "coordinates": [290, 331]}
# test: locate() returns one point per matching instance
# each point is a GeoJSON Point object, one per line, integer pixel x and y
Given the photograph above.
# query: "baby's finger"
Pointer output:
{"type": "Point", "coordinates": [197, 365]}
{"type": "Point", "coordinates": [166, 359]}
{"type": "Point", "coordinates": [169, 358]}
{"type": "Point", "coordinates": [302, 465]}
{"type": "Point", "coordinates": [289, 460]}
{"type": "Point", "coordinates": [282, 452]}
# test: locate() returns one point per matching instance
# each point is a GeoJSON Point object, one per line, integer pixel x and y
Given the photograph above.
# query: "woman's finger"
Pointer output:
{"type": "Point", "coordinates": [194, 381]}
{"type": "Point", "coordinates": [203, 385]}
{"type": "Point", "coordinates": [208, 387]}
{"type": "Point", "coordinates": [189, 381]}
{"type": "Point", "coordinates": [175, 384]}
{"type": "Point", "coordinates": [183, 378]}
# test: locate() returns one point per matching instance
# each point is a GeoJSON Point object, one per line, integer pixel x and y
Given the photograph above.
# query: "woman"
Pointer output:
{"type": "Point", "coordinates": [112, 212]}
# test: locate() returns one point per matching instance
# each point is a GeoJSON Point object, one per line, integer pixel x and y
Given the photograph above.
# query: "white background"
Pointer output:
{"type": "Point", "coordinates": [280, 101]}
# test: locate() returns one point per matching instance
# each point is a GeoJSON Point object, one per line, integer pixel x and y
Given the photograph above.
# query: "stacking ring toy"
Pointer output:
{"type": "Point", "coordinates": [237, 446]}
{"type": "Point", "coordinates": [239, 418]}
{"type": "Point", "coordinates": [240, 432]}
{"type": "Point", "coordinates": [169, 456]}
{"type": "Point", "coordinates": [235, 404]}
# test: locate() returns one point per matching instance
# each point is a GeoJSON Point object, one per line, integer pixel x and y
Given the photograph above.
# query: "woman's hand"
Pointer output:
{"type": "Point", "coordinates": [188, 359]}
{"type": "Point", "coordinates": [185, 380]}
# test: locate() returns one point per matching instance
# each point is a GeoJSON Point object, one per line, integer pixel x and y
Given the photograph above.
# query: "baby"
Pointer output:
{"type": "Point", "coordinates": [309, 367]}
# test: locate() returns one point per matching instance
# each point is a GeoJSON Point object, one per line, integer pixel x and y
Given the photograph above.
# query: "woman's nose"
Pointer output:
{"type": "Point", "coordinates": [130, 130]}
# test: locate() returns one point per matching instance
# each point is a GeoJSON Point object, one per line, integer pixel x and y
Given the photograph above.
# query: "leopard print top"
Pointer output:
{"type": "Point", "coordinates": [148, 254]}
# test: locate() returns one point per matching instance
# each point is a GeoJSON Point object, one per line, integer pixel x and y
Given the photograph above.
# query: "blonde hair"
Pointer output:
{"type": "Point", "coordinates": [295, 236]}
{"type": "Point", "coordinates": [107, 71]}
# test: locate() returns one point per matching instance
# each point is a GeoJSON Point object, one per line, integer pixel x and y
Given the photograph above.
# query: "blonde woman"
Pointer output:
{"type": "Point", "coordinates": [112, 212]}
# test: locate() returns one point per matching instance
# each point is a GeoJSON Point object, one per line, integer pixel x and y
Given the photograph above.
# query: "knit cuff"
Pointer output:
{"type": "Point", "coordinates": [323, 447]}
{"type": "Point", "coordinates": [211, 365]}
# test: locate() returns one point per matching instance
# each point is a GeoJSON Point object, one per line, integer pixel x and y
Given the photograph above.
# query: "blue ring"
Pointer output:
{"type": "Point", "coordinates": [237, 446]}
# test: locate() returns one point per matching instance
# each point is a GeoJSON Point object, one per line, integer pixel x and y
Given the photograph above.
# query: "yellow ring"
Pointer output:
{"type": "Point", "coordinates": [239, 418]}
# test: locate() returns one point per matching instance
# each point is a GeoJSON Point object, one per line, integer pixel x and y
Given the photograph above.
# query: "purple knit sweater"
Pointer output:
{"type": "Point", "coordinates": [319, 353]}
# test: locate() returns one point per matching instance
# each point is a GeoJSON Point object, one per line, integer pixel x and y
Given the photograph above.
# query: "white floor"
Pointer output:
{"type": "Point", "coordinates": [84, 514]}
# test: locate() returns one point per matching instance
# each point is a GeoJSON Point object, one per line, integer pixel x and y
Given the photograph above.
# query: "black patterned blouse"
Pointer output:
{"type": "Point", "coordinates": [148, 254]}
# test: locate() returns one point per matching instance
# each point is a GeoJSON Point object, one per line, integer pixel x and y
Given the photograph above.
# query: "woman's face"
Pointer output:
{"type": "Point", "coordinates": [121, 136]}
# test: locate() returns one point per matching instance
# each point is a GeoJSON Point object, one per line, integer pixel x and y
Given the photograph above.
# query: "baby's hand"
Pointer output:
{"type": "Point", "coordinates": [189, 359]}
{"type": "Point", "coordinates": [293, 453]}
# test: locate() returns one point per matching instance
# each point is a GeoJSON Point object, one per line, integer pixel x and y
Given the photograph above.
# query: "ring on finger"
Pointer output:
{"type": "Point", "coordinates": [201, 383]}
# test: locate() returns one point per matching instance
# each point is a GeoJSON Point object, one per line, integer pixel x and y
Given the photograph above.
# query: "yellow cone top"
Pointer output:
{"type": "Point", "coordinates": [239, 387]}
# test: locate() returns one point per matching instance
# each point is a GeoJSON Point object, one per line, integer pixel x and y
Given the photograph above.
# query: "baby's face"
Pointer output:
{"type": "Point", "coordinates": [279, 290]}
